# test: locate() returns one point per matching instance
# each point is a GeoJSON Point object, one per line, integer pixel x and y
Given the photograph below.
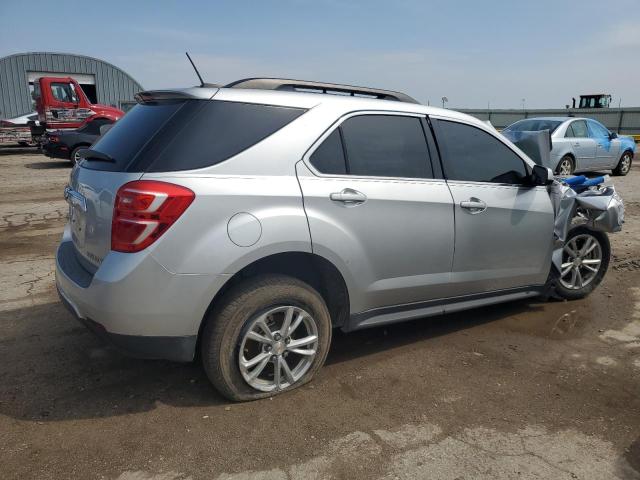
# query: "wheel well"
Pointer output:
{"type": "Point", "coordinates": [568, 154]}
{"type": "Point", "coordinates": [312, 269]}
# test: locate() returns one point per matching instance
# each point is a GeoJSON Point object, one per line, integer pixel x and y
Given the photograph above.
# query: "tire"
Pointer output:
{"type": "Point", "coordinates": [566, 166]}
{"type": "Point", "coordinates": [624, 165]}
{"type": "Point", "coordinates": [225, 343]}
{"type": "Point", "coordinates": [561, 285]}
{"type": "Point", "coordinates": [73, 158]}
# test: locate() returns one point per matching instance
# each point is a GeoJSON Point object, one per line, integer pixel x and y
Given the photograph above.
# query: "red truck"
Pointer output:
{"type": "Point", "coordinates": [61, 103]}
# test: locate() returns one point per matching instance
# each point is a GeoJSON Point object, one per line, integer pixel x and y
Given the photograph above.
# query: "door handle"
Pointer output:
{"type": "Point", "coordinates": [348, 196]}
{"type": "Point", "coordinates": [474, 205]}
{"type": "Point", "coordinates": [577, 144]}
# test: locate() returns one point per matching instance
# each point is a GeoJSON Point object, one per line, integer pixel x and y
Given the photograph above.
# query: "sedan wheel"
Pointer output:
{"type": "Point", "coordinates": [565, 167]}
{"type": "Point", "coordinates": [624, 165]}
{"type": "Point", "coordinates": [278, 348]}
{"type": "Point", "coordinates": [581, 261]}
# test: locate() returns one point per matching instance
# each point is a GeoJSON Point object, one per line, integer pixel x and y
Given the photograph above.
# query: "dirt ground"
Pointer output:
{"type": "Point", "coordinates": [521, 390]}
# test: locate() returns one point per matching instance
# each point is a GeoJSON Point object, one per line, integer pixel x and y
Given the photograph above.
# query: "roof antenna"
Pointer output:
{"type": "Point", "coordinates": [194, 67]}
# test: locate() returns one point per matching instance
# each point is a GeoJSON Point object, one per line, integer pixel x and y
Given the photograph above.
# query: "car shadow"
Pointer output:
{"type": "Point", "coordinates": [60, 164]}
{"type": "Point", "coordinates": [60, 371]}
{"type": "Point", "coordinates": [19, 150]}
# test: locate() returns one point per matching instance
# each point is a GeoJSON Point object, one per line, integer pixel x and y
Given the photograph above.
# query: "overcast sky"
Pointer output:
{"type": "Point", "coordinates": [473, 52]}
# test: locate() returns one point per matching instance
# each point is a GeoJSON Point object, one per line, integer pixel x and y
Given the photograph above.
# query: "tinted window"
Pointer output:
{"type": "Point", "coordinates": [386, 146]}
{"type": "Point", "coordinates": [579, 129]}
{"type": "Point", "coordinates": [130, 134]}
{"type": "Point", "coordinates": [329, 156]}
{"type": "Point", "coordinates": [93, 127]}
{"type": "Point", "coordinates": [534, 125]}
{"type": "Point", "coordinates": [218, 131]}
{"type": "Point", "coordinates": [188, 134]}
{"type": "Point", "coordinates": [598, 130]}
{"type": "Point", "coordinates": [474, 155]}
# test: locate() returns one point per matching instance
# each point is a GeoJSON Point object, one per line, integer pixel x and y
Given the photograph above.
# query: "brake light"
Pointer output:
{"type": "Point", "coordinates": [144, 210]}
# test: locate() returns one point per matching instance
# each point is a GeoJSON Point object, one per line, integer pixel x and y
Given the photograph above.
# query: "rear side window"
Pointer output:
{"type": "Point", "coordinates": [386, 146]}
{"type": "Point", "coordinates": [474, 155]}
{"type": "Point", "coordinates": [329, 156]}
{"type": "Point", "coordinates": [569, 133]}
{"type": "Point", "coordinates": [130, 134]}
{"type": "Point", "coordinates": [579, 129]}
{"type": "Point", "coordinates": [186, 135]}
{"type": "Point", "coordinates": [220, 130]}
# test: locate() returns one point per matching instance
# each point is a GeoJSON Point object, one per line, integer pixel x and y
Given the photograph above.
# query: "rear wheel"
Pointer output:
{"type": "Point", "coordinates": [269, 334]}
{"type": "Point", "coordinates": [565, 167]}
{"type": "Point", "coordinates": [585, 259]}
{"type": "Point", "coordinates": [624, 165]}
{"type": "Point", "coordinates": [75, 157]}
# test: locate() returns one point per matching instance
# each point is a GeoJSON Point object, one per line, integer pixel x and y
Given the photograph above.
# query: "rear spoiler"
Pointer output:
{"type": "Point", "coordinates": [151, 96]}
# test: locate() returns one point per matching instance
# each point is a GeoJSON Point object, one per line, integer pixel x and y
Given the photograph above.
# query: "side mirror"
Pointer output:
{"type": "Point", "coordinates": [612, 135]}
{"type": "Point", "coordinates": [541, 175]}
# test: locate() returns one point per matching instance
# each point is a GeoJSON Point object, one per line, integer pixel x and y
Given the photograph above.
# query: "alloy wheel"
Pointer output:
{"type": "Point", "coordinates": [565, 167]}
{"type": "Point", "coordinates": [278, 348]}
{"type": "Point", "coordinates": [625, 163]}
{"type": "Point", "coordinates": [581, 260]}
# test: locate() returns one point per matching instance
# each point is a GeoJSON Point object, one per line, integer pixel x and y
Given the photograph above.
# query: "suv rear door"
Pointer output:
{"type": "Point", "coordinates": [504, 228]}
{"type": "Point", "coordinates": [376, 209]}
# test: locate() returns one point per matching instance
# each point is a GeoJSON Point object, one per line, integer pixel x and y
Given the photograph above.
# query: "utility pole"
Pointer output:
{"type": "Point", "coordinates": [444, 100]}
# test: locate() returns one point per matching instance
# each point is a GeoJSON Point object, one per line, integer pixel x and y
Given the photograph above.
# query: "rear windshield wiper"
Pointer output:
{"type": "Point", "coordinates": [89, 154]}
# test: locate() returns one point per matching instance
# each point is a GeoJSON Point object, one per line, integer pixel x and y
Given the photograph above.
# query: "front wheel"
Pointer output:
{"type": "Point", "coordinates": [585, 259]}
{"type": "Point", "coordinates": [624, 165]}
{"type": "Point", "coordinates": [269, 334]}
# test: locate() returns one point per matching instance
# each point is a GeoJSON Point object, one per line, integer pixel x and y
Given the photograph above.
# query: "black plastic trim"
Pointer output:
{"type": "Point", "coordinates": [358, 318]}
{"type": "Point", "coordinates": [176, 349]}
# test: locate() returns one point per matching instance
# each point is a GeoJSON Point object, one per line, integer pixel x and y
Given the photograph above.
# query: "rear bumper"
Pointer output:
{"type": "Point", "coordinates": [53, 150]}
{"type": "Point", "coordinates": [177, 349]}
{"type": "Point", "coordinates": [136, 304]}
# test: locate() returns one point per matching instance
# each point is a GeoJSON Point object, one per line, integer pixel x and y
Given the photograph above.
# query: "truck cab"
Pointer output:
{"type": "Point", "coordinates": [61, 103]}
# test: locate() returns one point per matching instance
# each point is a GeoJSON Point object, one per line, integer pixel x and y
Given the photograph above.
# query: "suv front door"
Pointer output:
{"type": "Point", "coordinates": [504, 228]}
{"type": "Point", "coordinates": [377, 212]}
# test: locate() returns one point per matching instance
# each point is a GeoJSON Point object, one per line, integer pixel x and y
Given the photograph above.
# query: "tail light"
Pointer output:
{"type": "Point", "coordinates": [144, 210]}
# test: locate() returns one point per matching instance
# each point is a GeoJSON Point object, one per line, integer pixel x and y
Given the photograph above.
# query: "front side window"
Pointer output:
{"type": "Point", "coordinates": [476, 156]}
{"type": "Point", "coordinates": [598, 130]}
{"type": "Point", "coordinates": [63, 92]}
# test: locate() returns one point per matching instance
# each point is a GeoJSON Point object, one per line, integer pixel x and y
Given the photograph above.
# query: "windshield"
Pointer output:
{"type": "Point", "coordinates": [534, 125]}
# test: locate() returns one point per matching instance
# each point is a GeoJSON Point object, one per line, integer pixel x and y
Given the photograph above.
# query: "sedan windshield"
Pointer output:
{"type": "Point", "coordinates": [534, 125]}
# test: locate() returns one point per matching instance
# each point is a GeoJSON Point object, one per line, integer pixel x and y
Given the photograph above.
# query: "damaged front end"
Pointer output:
{"type": "Point", "coordinates": [578, 201]}
{"type": "Point", "coordinates": [593, 203]}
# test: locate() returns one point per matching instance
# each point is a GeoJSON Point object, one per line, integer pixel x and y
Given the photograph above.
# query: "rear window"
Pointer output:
{"type": "Point", "coordinates": [534, 125]}
{"type": "Point", "coordinates": [187, 135]}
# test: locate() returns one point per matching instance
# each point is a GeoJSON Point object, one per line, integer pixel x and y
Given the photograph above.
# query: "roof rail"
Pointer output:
{"type": "Point", "coordinates": [319, 87]}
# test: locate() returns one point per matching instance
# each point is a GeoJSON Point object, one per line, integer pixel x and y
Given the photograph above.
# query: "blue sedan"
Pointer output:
{"type": "Point", "coordinates": [582, 144]}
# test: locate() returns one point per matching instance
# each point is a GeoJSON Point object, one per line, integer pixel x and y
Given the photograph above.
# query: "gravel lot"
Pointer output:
{"type": "Point", "coordinates": [522, 390]}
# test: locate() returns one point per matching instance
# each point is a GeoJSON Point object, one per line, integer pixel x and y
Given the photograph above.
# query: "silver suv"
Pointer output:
{"type": "Point", "coordinates": [246, 222]}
